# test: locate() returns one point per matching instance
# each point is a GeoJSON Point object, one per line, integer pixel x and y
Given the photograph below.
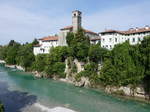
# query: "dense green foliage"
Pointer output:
{"type": "Point", "coordinates": [55, 61]}
{"type": "Point", "coordinates": [96, 53]}
{"type": "Point", "coordinates": [79, 45]}
{"type": "Point", "coordinates": [15, 53]}
{"type": "Point", "coordinates": [122, 67]}
{"type": "Point", "coordinates": [40, 62]}
{"type": "Point", "coordinates": [144, 49]}
{"type": "Point", "coordinates": [25, 56]}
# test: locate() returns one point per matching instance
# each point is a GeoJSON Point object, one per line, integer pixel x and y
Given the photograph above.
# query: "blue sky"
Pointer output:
{"type": "Point", "coordinates": [24, 20]}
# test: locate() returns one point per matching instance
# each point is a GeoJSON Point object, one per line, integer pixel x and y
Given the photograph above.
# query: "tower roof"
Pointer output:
{"type": "Point", "coordinates": [76, 11]}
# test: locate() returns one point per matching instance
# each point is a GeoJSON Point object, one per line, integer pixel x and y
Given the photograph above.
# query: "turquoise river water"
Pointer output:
{"type": "Point", "coordinates": [19, 90]}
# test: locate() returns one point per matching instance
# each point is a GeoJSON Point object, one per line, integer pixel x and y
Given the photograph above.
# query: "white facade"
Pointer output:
{"type": "Point", "coordinates": [45, 44]}
{"type": "Point", "coordinates": [110, 38]}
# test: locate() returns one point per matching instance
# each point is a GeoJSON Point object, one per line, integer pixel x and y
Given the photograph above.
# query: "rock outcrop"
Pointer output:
{"type": "Point", "coordinates": [128, 91]}
{"type": "Point", "coordinates": [84, 82]}
{"type": "Point", "coordinates": [20, 68]}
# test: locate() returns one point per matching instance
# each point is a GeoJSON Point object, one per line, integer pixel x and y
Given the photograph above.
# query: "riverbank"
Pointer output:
{"type": "Point", "coordinates": [28, 94]}
{"type": "Point", "coordinates": [121, 92]}
{"type": "Point", "coordinates": [126, 92]}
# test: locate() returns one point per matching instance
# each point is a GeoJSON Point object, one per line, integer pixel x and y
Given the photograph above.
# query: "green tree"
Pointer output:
{"type": "Point", "coordinates": [59, 69]}
{"type": "Point", "coordinates": [40, 62]}
{"type": "Point", "coordinates": [108, 75]}
{"type": "Point", "coordinates": [79, 44]}
{"type": "Point", "coordinates": [11, 54]}
{"type": "Point", "coordinates": [70, 38]}
{"type": "Point", "coordinates": [25, 56]}
{"type": "Point", "coordinates": [96, 53]}
{"type": "Point", "coordinates": [145, 61]}
{"type": "Point", "coordinates": [35, 42]}
{"type": "Point", "coordinates": [55, 61]}
{"type": "Point", "coordinates": [58, 54]}
{"type": "Point", "coordinates": [121, 67]}
{"type": "Point", "coordinates": [3, 52]}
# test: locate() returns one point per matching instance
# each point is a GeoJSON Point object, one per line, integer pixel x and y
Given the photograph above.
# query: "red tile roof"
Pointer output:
{"type": "Point", "coordinates": [88, 31]}
{"type": "Point", "coordinates": [37, 45]}
{"type": "Point", "coordinates": [67, 28]}
{"type": "Point", "coordinates": [139, 30]}
{"type": "Point", "coordinates": [71, 27]}
{"type": "Point", "coordinates": [49, 38]}
{"type": "Point", "coordinates": [94, 39]}
{"type": "Point", "coordinates": [130, 31]}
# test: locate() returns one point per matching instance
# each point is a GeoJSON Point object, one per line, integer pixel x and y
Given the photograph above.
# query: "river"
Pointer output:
{"type": "Point", "coordinates": [21, 92]}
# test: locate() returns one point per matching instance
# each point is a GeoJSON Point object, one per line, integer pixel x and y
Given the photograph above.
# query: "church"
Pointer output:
{"type": "Point", "coordinates": [46, 43]}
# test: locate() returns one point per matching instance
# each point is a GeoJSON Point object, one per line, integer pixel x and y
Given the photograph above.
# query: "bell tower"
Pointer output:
{"type": "Point", "coordinates": [76, 20]}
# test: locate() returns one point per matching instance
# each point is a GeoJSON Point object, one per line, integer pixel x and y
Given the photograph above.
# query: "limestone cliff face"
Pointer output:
{"type": "Point", "coordinates": [72, 68]}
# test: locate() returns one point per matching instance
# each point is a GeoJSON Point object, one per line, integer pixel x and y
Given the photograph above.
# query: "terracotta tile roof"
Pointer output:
{"type": "Point", "coordinates": [37, 45]}
{"type": "Point", "coordinates": [130, 31]}
{"type": "Point", "coordinates": [111, 31]}
{"type": "Point", "coordinates": [139, 30]}
{"type": "Point", "coordinates": [71, 27]}
{"type": "Point", "coordinates": [88, 31]}
{"type": "Point", "coordinates": [94, 39]}
{"type": "Point", "coordinates": [67, 28]}
{"type": "Point", "coordinates": [49, 38]}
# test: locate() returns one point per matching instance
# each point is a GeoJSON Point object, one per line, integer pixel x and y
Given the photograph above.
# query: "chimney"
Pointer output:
{"type": "Point", "coordinates": [136, 28]}
{"type": "Point", "coordinates": [147, 27]}
{"type": "Point", "coordinates": [131, 29]}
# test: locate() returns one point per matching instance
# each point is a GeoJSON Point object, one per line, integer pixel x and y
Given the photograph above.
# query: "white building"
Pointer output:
{"type": "Point", "coordinates": [47, 42]}
{"type": "Point", "coordinates": [110, 38]}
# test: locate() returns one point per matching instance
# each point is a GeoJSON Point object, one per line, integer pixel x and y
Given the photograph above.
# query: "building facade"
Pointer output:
{"type": "Point", "coordinates": [110, 38]}
{"type": "Point", "coordinates": [45, 44]}
{"type": "Point", "coordinates": [52, 41]}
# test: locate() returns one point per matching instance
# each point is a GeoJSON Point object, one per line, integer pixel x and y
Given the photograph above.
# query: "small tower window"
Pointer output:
{"type": "Point", "coordinates": [75, 15]}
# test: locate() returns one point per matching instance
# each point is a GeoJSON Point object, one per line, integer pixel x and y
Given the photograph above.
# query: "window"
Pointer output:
{"type": "Point", "coordinates": [109, 39]}
{"type": "Point", "coordinates": [115, 39]}
{"type": "Point", "coordinates": [110, 46]}
{"type": "Point", "coordinates": [133, 40]}
{"type": "Point", "coordinates": [103, 40]}
{"type": "Point", "coordinates": [139, 39]}
{"type": "Point", "coordinates": [106, 45]}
